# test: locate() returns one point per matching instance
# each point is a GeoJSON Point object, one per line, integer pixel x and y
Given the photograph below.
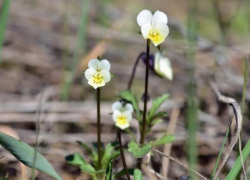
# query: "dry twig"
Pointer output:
{"type": "Point", "coordinates": [238, 118]}
{"type": "Point", "coordinates": [179, 162]}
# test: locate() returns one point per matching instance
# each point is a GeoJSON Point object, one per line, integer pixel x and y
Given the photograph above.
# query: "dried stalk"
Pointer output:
{"type": "Point", "coordinates": [179, 162]}
{"type": "Point", "coordinates": [238, 118]}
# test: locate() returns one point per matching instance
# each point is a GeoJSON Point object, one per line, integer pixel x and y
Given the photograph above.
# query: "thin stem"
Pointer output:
{"type": "Point", "coordinates": [221, 150]}
{"type": "Point", "coordinates": [145, 96]}
{"type": "Point", "coordinates": [122, 154]}
{"type": "Point", "coordinates": [134, 70]}
{"type": "Point", "coordinates": [99, 127]}
{"type": "Point", "coordinates": [4, 13]}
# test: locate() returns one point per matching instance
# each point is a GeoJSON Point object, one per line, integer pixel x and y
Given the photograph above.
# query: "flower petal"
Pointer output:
{"type": "Point", "coordinates": [145, 16]}
{"type": "Point", "coordinates": [145, 29]}
{"type": "Point", "coordinates": [95, 85]}
{"type": "Point", "coordinates": [115, 115]}
{"type": "Point", "coordinates": [106, 75]}
{"type": "Point", "coordinates": [122, 126]}
{"type": "Point", "coordinates": [94, 63]}
{"type": "Point", "coordinates": [104, 64]}
{"type": "Point", "coordinates": [162, 28]}
{"type": "Point", "coordinates": [128, 108]}
{"type": "Point", "coordinates": [162, 31]}
{"type": "Point", "coordinates": [116, 106]}
{"type": "Point", "coordinates": [89, 73]}
{"type": "Point", "coordinates": [166, 69]}
{"type": "Point", "coordinates": [159, 17]}
{"type": "Point", "coordinates": [163, 66]}
{"type": "Point", "coordinates": [128, 115]}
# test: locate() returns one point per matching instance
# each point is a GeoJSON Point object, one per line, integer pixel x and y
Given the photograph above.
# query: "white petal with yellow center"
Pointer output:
{"type": "Point", "coordinates": [158, 33]}
{"type": "Point", "coordinates": [97, 80]}
{"type": "Point", "coordinates": [122, 119]}
{"type": "Point", "coordinates": [153, 27]}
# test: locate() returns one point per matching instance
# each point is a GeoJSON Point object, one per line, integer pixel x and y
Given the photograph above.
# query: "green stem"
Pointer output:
{"type": "Point", "coordinates": [99, 127]}
{"type": "Point", "coordinates": [145, 96]}
{"type": "Point", "coordinates": [3, 21]}
{"type": "Point", "coordinates": [191, 90]}
{"type": "Point", "coordinates": [122, 154]}
{"type": "Point", "coordinates": [221, 150]}
{"type": "Point", "coordinates": [246, 73]}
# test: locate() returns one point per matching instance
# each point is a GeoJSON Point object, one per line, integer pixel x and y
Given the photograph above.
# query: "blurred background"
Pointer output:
{"type": "Point", "coordinates": [46, 46]}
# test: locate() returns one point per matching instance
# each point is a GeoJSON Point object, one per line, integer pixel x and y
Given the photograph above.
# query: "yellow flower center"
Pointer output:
{"type": "Point", "coordinates": [121, 120]}
{"type": "Point", "coordinates": [97, 78]}
{"type": "Point", "coordinates": [155, 36]}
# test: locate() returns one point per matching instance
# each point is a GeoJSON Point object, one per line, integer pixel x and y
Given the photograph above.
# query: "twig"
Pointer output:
{"type": "Point", "coordinates": [179, 162]}
{"type": "Point", "coordinates": [238, 118]}
{"type": "Point", "coordinates": [167, 148]}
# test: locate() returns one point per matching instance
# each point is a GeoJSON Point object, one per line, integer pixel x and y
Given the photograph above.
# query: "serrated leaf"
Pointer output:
{"type": "Point", "coordinates": [138, 151]}
{"type": "Point", "coordinates": [129, 96]}
{"type": "Point", "coordinates": [109, 171]}
{"type": "Point", "coordinates": [157, 104]}
{"type": "Point", "coordinates": [167, 138]}
{"type": "Point", "coordinates": [25, 154]}
{"type": "Point", "coordinates": [138, 175]}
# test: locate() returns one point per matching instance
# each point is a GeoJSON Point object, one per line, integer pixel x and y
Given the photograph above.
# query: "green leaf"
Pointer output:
{"type": "Point", "coordinates": [137, 175]}
{"type": "Point", "coordinates": [77, 159]}
{"type": "Point", "coordinates": [167, 138]}
{"type": "Point", "coordinates": [109, 171]}
{"type": "Point", "coordinates": [138, 151]}
{"type": "Point", "coordinates": [92, 153]}
{"type": "Point", "coordinates": [238, 165]}
{"type": "Point", "coordinates": [129, 96]}
{"type": "Point", "coordinates": [25, 154]}
{"type": "Point", "coordinates": [109, 153]}
{"type": "Point", "coordinates": [156, 122]}
{"type": "Point", "coordinates": [158, 115]}
{"type": "Point", "coordinates": [157, 104]}
{"type": "Point", "coordinates": [123, 172]}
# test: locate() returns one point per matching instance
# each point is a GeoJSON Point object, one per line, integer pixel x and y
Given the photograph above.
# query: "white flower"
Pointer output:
{"type": "Point", "coordinates": [162, 66]}
{"type": "Point", "coordinates": [98, 73]}
{"type": "Point", "coordinates": [153, 27]}
{"type": "Point", "coordinates": [122, 115]}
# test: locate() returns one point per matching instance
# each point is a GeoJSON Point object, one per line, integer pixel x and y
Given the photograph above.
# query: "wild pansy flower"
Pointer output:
{"type": "Point", "coordinates": [153, 27]}
{"type": "Point", "coordinates": [122, 114]}
{"type": "Point", "coordinates": [98, 73]}
{"type": "Point", "coordinates": [162, 66]}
